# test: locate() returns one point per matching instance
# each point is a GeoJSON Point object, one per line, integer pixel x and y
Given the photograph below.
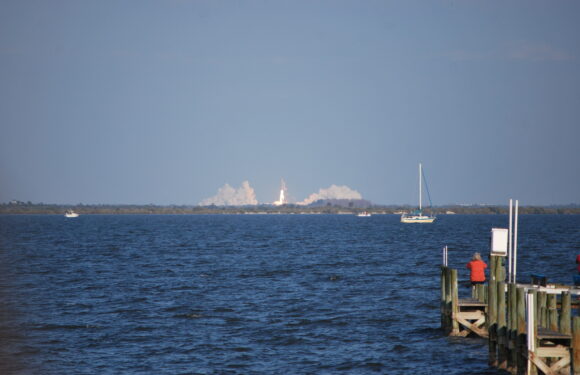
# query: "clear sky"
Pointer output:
{"type": "Point", "coordinates": [166, 101]}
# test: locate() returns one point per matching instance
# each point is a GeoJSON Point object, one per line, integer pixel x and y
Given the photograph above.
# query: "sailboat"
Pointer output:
{"type": "Point", "coordinates": [417, 215]}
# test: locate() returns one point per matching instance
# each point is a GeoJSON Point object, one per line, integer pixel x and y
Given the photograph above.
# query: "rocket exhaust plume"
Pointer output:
{"type": "Point", "coordinates": [282, 199]}
{"type": "Point", "coordinates": [332, 192]}
{"type": "Point", "coordinates": [229, 196]}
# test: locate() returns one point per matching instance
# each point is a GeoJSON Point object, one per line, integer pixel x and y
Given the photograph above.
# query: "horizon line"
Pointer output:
{"type": "Point", "coordinates": [29, 203]}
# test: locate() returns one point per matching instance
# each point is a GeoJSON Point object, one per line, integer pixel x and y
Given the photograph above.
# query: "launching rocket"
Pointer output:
{"type": "Point", "coordinates": [282, 199]}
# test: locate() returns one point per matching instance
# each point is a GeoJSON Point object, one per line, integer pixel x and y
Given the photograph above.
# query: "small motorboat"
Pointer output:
{"type": "Point", "coordinates": [71, 213]}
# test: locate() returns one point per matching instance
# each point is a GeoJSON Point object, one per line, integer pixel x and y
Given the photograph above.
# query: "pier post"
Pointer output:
{"type": "Point", "coordinates": [501, 326]}
{"type": "Point", "coordinates": [541, 309]}
{"type": "Point", "coordinates": [512, 327]}
{"type": "Point", "coordinates": [443, 294]}
{"type": "Point", "coordinates": [492, 321]}
{"type": "Point", "coordinates": [552, 318]}
{"type": "Point", "coordinates": [565, 322]}
{"type": "Point", "coordinates": [499, 268]}
{"type": "Point", "coordinates": [532, 329]}
{"type": "Point", "coordinates": [497, 275]}
{"type": "Point", "coordinates": [448, 300]}
{"type": "Point", "coordinates": [454, 302]}
{"type": "Point", "coordinates": [521, 342]}
{"type": "Point", "coordinates": [576, 345]}
{"type": "Point", "coordinates": [553, 312]}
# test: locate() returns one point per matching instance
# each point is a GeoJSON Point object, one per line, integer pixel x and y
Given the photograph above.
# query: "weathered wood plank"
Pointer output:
{"type": "Point", "coordinates": [556, 351]}
{"type": "Point", "coordinates": [471, 315]}
{"type": "Point", "coordinates": [544, 334]}
{"type": "Point", "coordinates": [471, 302]}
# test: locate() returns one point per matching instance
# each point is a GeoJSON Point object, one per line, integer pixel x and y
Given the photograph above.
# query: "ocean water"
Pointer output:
{"type": "Point", "coordinates": [248, 294]}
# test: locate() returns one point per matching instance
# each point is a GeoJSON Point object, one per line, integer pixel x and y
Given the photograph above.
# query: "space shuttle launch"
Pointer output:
{"type": "Point", "coordinates": [282, 199]}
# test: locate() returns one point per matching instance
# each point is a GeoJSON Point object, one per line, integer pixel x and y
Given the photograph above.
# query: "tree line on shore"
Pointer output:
{"type": "Point", "coordinates": [108, 209]}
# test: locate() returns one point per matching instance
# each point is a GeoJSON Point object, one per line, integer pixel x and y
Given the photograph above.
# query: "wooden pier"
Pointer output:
{"type": "Point", "coordinates": [529, 327]}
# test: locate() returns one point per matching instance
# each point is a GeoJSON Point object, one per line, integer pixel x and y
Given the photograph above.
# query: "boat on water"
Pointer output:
{"type": "Point", "coordinates": [364, 214]}
{"type": "Point", "coordinates": [417, 216]}
{"type": "Point", "coordinates": [71, 213]}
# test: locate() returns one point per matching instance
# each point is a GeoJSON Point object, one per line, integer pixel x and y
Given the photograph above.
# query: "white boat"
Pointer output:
{"type": "Point", "coordinates": [417, 215]}
{"type": "Point", "coordinates": [364, 214]}
{"type": "Point", "coordinates": [71, 213]}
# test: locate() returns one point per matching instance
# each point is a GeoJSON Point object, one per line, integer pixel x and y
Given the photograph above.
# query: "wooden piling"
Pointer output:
{"type": "Point", "coordinates": [454, 302]}
{"type": "Point", "coordinates": [502, 344]}
{"type": "Point", "coordinates": [552, 303]}
{"type": "Point", "coordinates": [443, 293]}
{"type": "Point", "coordinates": [492, 308]}
{"type": "Point", "coordinates": [576, 345]}
{"type": "Point", "coordinates": [512, 327]}
{"type": "Point", "coordinates": [532, 368]}
{"type": "Point", "coordinates": [541, 309]}
{"type": "Point", "coordinates": [565, 320]}
{"type": "Point", "coordinates": [447, 300]}
{"type": "Point", "coordinates": [499, 268]}
{"type": "Point", "coordinates": [521, 344]}
{"type": "Point", "coordinates": [552, 319]}
{"type": "Point", "coordinates": [492, 321]}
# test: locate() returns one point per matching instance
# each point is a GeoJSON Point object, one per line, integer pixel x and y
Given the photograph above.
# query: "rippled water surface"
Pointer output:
{"type": "Point", "coordinates": [248, 294]}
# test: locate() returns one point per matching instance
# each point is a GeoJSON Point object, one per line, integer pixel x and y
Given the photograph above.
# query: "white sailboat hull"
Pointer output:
{"type": "Point", "coordinates": [417, 219]}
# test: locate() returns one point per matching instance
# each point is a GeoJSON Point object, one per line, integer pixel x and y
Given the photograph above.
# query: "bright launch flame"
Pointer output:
{"type": "Point", "coordinates": [282, 199]}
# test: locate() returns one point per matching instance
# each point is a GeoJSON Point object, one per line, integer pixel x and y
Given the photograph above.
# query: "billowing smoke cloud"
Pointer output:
{"type": "Point", "coordinates": [333, 192]}
{"type": "Point", "coordinates": [228, 196]}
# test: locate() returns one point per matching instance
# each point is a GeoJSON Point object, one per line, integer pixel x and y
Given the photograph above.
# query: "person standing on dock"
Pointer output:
{"type": "Point", "coordinates": [477, 268]}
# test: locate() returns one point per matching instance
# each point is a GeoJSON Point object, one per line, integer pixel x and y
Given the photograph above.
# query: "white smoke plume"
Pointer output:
{"type": "Point", "coordinates": [333, 192]}
{"type": "Point", "coordinates": [228, 196]}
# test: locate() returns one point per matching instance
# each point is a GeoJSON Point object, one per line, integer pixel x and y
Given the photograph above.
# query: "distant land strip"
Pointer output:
{"type": "Point", "coordinates": [22, 208]}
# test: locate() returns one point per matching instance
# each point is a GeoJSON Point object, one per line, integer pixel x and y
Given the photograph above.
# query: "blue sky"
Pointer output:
{"type": "Point", "coordinates": [166, 101]}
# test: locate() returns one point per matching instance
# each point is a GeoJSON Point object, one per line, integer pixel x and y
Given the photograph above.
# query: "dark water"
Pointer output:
{"type": "Point", "coordinates": [274, 294]}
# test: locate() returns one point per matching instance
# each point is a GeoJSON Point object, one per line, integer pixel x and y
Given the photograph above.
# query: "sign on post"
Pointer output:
{"type": "Point", "coordinates": [499, 241]}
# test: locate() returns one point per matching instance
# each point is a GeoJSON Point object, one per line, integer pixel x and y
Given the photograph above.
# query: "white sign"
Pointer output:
{"type": "Point", "coordinates": [499, 241]}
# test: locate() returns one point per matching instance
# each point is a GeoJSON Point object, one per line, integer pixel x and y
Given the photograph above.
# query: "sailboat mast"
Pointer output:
{"type": "Point", "coordinates": [420, 187]}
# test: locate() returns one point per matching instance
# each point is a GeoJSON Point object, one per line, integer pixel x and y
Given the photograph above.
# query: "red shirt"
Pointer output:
{"type": "Point", "coordinates": [578, 262]}
{"type": "Point", "coordinates": [477, 268]}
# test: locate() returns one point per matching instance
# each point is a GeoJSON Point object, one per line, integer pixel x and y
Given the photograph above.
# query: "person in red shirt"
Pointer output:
{"type": "Point", "coordinates": [578, 263]}
{"type": "Point", "coordinates": [477, 268]}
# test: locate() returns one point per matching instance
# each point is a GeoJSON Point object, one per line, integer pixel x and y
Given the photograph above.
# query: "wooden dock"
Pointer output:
{"type": "Point", "coordinates": [529, 328]}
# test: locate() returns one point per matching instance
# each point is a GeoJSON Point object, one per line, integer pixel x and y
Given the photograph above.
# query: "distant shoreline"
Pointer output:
{"type": "Point", "coordinates": [54, 209]}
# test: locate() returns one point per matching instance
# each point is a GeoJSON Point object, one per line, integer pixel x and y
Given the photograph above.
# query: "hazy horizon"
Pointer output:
{"type": "Point", "coordinates": [141, 102]}
{"type": "Point", "coordinates": [290, 204]}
